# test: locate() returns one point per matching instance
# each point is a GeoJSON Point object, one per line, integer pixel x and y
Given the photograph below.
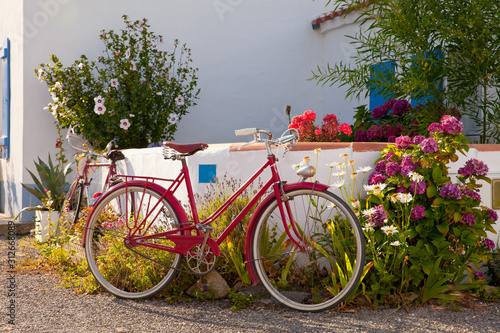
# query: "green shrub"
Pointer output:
{"type": "Point", "coordinates": [132, 91]}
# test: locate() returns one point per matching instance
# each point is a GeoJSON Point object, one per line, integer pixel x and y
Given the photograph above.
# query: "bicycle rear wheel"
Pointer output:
{"type": "Point", "coordinates": [328, 263]}
{"type": "Point", "coordinates": [126, 271]}
{"type": "Point", "coordinates": [77, 200]}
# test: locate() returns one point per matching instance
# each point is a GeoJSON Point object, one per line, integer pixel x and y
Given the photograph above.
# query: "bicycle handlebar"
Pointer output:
{"type": "Point", "coordinates": [291, 138]}
{"type": "Point", "coordinates": [71, 133]}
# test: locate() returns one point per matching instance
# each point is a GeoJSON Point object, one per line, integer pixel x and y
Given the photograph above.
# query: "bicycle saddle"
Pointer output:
{"type": "Point", "coordinates": [116, 155]}
{"type": "Point", "coordinates": [186, 148]}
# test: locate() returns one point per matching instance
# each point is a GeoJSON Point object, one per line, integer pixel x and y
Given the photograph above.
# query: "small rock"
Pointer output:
{"type": "Point", "coordinates": [211, 286]}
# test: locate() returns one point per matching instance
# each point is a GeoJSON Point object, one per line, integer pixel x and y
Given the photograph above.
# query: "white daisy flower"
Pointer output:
{"type": "Point", "coordinates": [395, 243]}
{"type": "Point", "coordinates": [365, 169]}
{"type": "Point", "coordinates": [405, 197]}
{"type": "Point", "coordinates": [339, 184]}
{"type": "Point", "coordinates": [389, 230]}
{"type": "Point", "coordinates": [369, 226]}
{"type": "Point", "coordinates": [415, 176]}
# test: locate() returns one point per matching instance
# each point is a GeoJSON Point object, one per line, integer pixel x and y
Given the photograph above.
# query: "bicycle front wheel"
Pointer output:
{"type": "Point", "coordinates": [318, 263]}
{"type": "Point", "coordinates": [124, 270]}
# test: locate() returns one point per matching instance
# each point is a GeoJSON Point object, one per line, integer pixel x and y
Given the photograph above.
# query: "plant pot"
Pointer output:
{"type": "Point", "coordinates": [46, 224]}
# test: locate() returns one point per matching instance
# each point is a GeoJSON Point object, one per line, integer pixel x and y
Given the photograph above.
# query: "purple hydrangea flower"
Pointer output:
{"type": "Point", "coordinates": [403, 142]}
{"type": "Point", "coordinates": [418, 212]}
{"type": "Point", "coordinates": [466, 191]}
{"type": "Point", "coordinates": [474, 167]}
{"type": "Point", "coordinates": [391, 139]}
{"type": "Point", "coordinates": [402, 189]}
{"type": "Point", "coordinates": [451, 191]}
{"type": "Point", "coordinates": [389, 155]}
{"type": "Point", "coordinates": [380, 111]}
{"type": "Point", "coordinates": [399, 107]}
{"type": "Point", "coordinates": [492, 214]}
{"type": "Point", "coordinates": [376, 178]}
{"type": "Point", "coordinates": [451, 125]}
{"type": "Point", "coordinates": [392, 168]}
{"type": "Point", "coordinates": [418, 139]}
{"type": "Point", "coordinates": [435, 127]}
{"type": "Point", "coordinates": [389, 103]}
{"type": "Point", "coordinates": [489, 243]}
{"type": "Point", "coordinates": [374, 132]}
{"type": "Point", "coordinates": [468, 218]}
{"type": "Point", "coordinates": [430, 146]}
{"type": "Point", "coordinates": [388, 131]}
{"type": "Point", "coordinates": [381, 166]}
{"type": "Point", "coordinates": [360, 136]}
{"type": "Point", "coordinates": [407, 166]}
{"type": "Point", "coordinates": [421, 187]}
{"type": "Point", "coordinates": [378, 216]}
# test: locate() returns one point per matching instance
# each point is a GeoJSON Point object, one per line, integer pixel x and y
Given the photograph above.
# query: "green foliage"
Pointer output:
{"type": "Point", "coordinates": [49, 185]}
{"type": "Point", "coordinates": [240, 300]}
{"type": "Point", "coordinates": [424, 231]}
{"type": "Point", "coordinates": [133, 91]}
{"type": "Point", "coordinates": [427, 41]}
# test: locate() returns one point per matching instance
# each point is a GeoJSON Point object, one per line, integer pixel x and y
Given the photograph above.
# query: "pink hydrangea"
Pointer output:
{"type": "Point", "coordinates": [430, 146]}
{"type": "Point", "coordinates": [403, 142]}
{"type": "Point", "coordinates": [418, 212]}
{"type": "Point", "coordinates": [451, 125]}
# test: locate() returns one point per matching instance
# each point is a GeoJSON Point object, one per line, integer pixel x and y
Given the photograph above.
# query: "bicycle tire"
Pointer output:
{"type": "Point", "coordinates": [330, 265]}
{"type": "Point", "coordinates": [120, 270]}
{"type": "Point", "coordinates": [76, 200]}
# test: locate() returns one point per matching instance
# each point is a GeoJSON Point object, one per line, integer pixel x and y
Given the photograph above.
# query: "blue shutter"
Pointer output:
{"type": "Point", "coordinates": [4, 139]}
{"type": "Point", "coordinates": [386, 69]}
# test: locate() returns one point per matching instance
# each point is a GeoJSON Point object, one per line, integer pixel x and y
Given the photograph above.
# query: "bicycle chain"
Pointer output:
{"type": "Point", "coordinates": [167, 266]}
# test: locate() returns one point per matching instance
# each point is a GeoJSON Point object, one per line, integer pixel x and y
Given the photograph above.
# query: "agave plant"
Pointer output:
{"type": "Point", "coordinates": [49, 185]}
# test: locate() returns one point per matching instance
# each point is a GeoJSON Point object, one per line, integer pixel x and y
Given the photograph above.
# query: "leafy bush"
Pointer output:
{"type": "Point", "coordinates": [133, 91]}
{"type": "Point", "coordinates": [423, 230]}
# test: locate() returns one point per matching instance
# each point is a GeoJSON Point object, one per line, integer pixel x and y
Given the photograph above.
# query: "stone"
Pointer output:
{"type": "Point", "coordinates": [210, 286]}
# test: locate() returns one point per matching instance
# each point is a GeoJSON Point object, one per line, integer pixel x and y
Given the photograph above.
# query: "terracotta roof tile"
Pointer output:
{"type": "Point", "coordinates": [340, 12]}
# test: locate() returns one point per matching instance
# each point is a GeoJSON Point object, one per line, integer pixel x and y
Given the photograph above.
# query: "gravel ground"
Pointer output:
{"type": "Point", "coordinates": [41, 305]}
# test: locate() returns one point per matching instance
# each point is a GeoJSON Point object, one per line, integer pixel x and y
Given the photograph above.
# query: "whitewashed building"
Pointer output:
{"type": "Point", "coordinates": [254, 58]}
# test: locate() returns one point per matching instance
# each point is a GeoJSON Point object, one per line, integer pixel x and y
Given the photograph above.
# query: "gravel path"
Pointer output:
{"type": "Point", "coordinates": [41, 305]}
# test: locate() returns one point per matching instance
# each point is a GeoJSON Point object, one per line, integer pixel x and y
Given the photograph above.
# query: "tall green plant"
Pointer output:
{"type": "Point", "coordinates": [430, 43]}
{"type": "Point", "coordinates": [49, 185]}
{"type": "Point", "coordinates": [133, 91]}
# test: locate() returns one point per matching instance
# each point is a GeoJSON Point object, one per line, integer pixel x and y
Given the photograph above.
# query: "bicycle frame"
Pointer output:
{"type": "Point", "coordinates": [86, 181]}
{"type": "Point", "coordinates": [182, 237]}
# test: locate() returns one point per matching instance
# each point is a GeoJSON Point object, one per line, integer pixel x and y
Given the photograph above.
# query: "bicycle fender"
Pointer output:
{"type": "Point", "coordinates": [169, 197]}
{"type": "Point", "coordinates": [259, 210]}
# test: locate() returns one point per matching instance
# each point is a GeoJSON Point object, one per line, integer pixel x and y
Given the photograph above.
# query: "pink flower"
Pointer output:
{"type": "Point", "coordinates": [99, 108]}
{"type": "Point", "coordinates": [310, 115]}
{"type": "Point", "coordinates": [403, 142]}
{"type": "Point", "coordinates": [317, 131]}
{"type": "Point", "coordinates": [346, 129]}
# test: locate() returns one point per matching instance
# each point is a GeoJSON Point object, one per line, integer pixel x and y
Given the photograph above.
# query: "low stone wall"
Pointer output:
{"type": "Point", "coordinates": [240, 161]}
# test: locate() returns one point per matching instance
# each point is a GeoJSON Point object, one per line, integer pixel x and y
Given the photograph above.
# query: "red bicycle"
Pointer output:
{"type": "Point", "coordinates": [303, 243]}
{"type": "Point", "coordinates": [78, 196]}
